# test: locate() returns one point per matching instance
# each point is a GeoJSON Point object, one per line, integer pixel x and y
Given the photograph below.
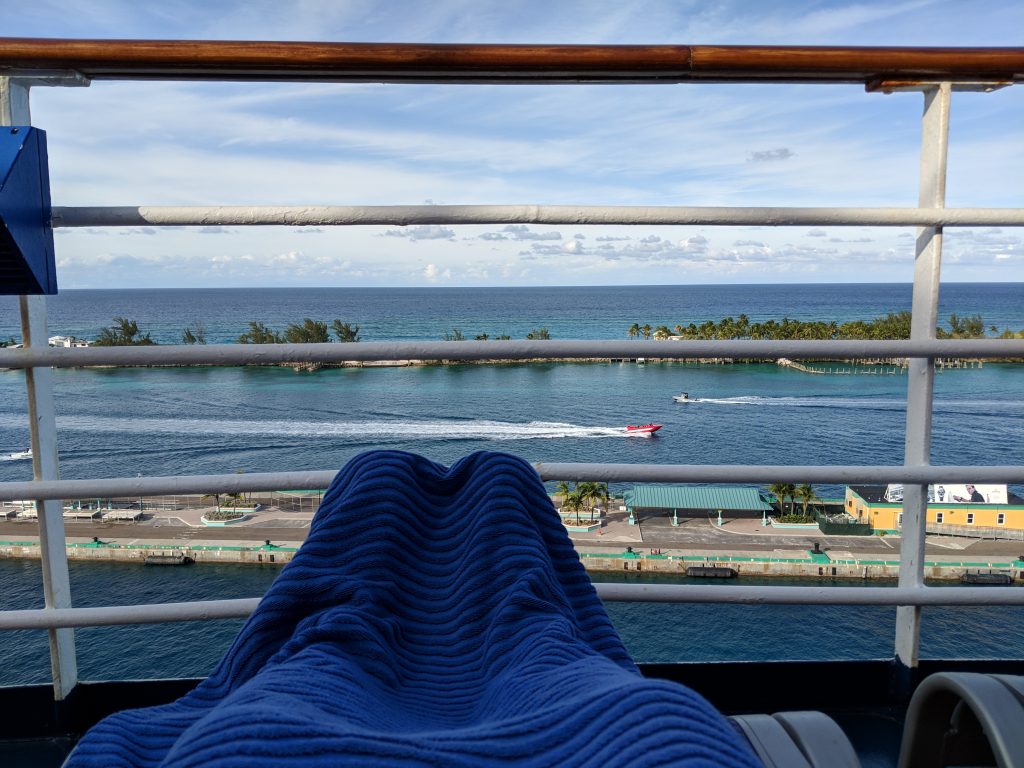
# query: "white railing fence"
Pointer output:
{"type": "Point", "coordinates": [36, 63]}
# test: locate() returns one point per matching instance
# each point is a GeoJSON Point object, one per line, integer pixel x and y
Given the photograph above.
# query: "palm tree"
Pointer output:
{"type": "Point", "coordinates": [309, 331]}
{"type": "Point", "coordinates": [259, 333]}
{"type": "Point", "coordinates": [805, 495]}
{"type": "Point", "coordinates": [574, 503]}
{"type": "Point", "coordinates": [563, 489]}
{"type": "Point", "coordinates": [123, 333]}
{"type": "Point", "coordinates": [779, 491]}
{"type": "Point", "coordinates": [634, 331]}
{"type": "Point", "coordinates": [590, 492]}
{"type": "Point", "coordinates": [603, 495]}
{"type": "Point", "coordinates": [194, 334]}
{"type": "Point", "coordinates": [791, 495]}
{"type": "Point", "coordinates": [646, 331]}
{"type": "Point", "coordinates": [344, 332]}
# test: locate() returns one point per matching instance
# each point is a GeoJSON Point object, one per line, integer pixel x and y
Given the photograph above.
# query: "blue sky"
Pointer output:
{"type": "Point", "coordinates": [261, 144]}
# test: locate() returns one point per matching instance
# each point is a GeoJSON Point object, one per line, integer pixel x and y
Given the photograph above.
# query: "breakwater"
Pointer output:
{"type": "Point", "coordinates": [877, 367]}
{"type": "Point", "coordinates": [797, 563]}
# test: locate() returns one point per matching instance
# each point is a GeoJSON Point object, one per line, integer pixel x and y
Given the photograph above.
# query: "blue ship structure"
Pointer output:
{"type": "Point", "coordinates": [27, 260]}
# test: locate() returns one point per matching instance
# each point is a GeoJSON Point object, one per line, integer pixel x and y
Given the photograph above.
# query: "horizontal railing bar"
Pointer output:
{"type": "Point", "coordinates": [167, 485]}
{"type": "Point", "coordinates": [269, 354]}
{"type": "Point", "coordinates": [742, 473]}
{"type": "Point", "coordinates": [405, 62]}
{"type": "Point", "coordinates": [790, 595]}
{"type": "Point", "coordinates": [153, 613]}
{"type": "Point", "coordinates": [403, 215]}
{"type": "Point", "coordinates": [658, 593]}
{"type": "Point", "coordinates": [133, 487]}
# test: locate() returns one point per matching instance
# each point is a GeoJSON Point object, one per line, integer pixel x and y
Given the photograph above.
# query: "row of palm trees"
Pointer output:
{"type": "Point", "coordinates": [576, 498]}
{"type": "Point", "coordinates": [895, 325]}
{"type": "Point", "coordinates": [537, 334]}
{"type": "Point", "coordinates": [309, 331]}
{"type": "Point", "coordinates": [803, 493]}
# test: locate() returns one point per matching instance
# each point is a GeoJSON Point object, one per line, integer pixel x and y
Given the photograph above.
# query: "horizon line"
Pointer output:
{"type": "Point", "coordinates": [526, 287]}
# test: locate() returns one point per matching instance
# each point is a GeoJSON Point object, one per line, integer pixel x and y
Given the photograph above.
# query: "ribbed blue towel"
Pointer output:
{"type": "Point", "coordinates": [433, 617]}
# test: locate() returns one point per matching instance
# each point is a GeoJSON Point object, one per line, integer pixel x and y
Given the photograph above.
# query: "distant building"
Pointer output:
{"type": "Point", "coordinates": [67, 341]}
{"type": "Point", "coordinates": [881, 507]}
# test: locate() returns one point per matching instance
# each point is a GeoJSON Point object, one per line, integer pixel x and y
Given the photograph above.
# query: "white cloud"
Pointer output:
{"type": "Point", "coordinates": [368, 144]}
{"type": "Point", "coordinates": [423, 232]}
{"type": "Point", "coordinates": [434, 274]}
{"type": "Point", "coordinates": [521, 232]}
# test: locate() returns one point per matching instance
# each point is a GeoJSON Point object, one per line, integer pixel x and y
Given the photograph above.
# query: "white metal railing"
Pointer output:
{"type": "Point", "coordinates": [255, 354]}
{"type": "Point", "coordinates": [404, 215]}
{"type": "Point", "coordinates": [133, 487]}
{"type": "Point", "coordinates": [916, 473]}
{"type": "Point", "coordinates": [653, 593]}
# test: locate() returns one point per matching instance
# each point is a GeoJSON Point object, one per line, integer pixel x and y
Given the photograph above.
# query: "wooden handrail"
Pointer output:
{"type": "Point", "coordinates": [405, 62]}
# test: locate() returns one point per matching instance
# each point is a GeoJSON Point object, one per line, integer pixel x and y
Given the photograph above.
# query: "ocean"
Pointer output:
{"type": "Point", "coordinates": [406, 314]}
{"type": "Point", "coordinates": [200, 420]}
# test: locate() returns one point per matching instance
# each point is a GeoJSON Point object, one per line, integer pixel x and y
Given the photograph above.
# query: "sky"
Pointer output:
{"type": "Point", "coordinates": [148, 143]}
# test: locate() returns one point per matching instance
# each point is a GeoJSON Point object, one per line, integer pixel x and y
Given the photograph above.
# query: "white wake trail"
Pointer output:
{"type": "Point", "coordinates": [426, 429]}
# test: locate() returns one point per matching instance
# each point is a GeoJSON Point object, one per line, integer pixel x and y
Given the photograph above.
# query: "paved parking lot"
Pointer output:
{"type": "Point", "coordinates": [747, 534]}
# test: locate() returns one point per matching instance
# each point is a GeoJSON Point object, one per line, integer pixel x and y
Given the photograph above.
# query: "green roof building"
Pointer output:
{"type": "Point", "coordinates": [738, 500]}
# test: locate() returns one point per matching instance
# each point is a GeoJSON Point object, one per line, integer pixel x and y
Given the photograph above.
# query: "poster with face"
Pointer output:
{"type": "Point", "coordinates": [968, 494]}
{"type": "Point", "coordinates": [955, 493]}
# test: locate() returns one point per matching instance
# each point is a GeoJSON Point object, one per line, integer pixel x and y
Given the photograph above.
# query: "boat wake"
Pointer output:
{"type": "Point", "coordinates": [405, 430]}
{"type": "Point", "coordinates": [955, 406]}
{"type": "Point", "coordinates": [806, 402]}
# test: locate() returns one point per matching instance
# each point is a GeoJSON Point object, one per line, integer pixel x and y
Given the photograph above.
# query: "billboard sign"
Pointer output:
{"type": "Point", "coordinates": [956, 493]}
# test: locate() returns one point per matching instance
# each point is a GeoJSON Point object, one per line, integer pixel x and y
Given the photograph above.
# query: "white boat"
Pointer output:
{"type": "Point", "coordinates": [26, 454]}
{"type": "Point", "coordinates": [683, 397]}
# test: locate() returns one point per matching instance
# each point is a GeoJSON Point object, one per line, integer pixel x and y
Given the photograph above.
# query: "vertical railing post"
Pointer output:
{"type": "Point", "coordinates": [14, 110]}
{"type": "Point", "coordinates": [921, 372]}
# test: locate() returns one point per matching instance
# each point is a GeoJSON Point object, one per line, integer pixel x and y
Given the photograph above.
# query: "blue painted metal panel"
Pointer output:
{"type": "Point", "coordinates": [27, 263]}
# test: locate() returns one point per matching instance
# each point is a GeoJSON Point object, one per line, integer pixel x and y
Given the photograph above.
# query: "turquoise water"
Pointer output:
{"type": "Point", "coordinates": [178, 421]}
{"type": "Point", "coordinates": [175, 421]}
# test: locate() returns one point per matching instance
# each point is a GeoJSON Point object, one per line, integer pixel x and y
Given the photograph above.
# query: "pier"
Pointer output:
{"type": "Point", "coordinates": [170, 533]}
{"type": "Point", "coordinates": [878, 367]}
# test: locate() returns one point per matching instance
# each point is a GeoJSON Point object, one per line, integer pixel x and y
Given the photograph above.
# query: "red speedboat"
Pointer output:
{"type": "Point", "coordinates": [643, 429]}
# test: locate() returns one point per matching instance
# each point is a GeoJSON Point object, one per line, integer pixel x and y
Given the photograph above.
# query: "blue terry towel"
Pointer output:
{"type": "Point", "coordinates": [433, 617]}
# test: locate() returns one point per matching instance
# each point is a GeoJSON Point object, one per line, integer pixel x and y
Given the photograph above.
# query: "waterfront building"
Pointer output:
{"type": "Point", "coordinates": [696, 501]}
{"type": "Point", "coordinates": [877, 506]}
{"type": "Point", "coordinates": [68, 342]}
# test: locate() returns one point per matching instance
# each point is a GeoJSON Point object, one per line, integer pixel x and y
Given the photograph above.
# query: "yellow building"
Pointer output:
{"type": "Point", "coordinates": [876, 506]}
